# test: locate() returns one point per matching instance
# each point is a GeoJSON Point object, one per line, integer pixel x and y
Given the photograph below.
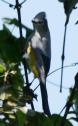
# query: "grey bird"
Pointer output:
{"type": "Point", "coordinates": [41, 44]}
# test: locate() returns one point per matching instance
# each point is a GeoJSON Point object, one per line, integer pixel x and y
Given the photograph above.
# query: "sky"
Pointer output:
{"type": "Point", "coordinates": [56, 20]}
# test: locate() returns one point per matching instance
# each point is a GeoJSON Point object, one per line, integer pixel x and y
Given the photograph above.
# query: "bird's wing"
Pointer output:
{"type": "Point", "coordinates": [35, 62]}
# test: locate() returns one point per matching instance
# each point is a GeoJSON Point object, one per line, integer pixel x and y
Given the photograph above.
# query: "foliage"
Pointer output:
{"type": "Point", "coordinates": [11, 79]}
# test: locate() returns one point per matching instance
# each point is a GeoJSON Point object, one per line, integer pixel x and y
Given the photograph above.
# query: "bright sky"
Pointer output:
{"type": "Point", "coordinates": [56, 20]}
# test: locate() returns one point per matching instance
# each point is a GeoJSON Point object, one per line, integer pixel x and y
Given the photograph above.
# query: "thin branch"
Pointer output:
{"type": "Point", "coordinates": [11, 5]}
{"type": "Point", "coordinates": [23, 2]}
{"type": "Point", "coordinates": [37, 87]}
{"type": "Point", "coordinates": [21, 36]}
{"type": "Point", "coordinates": [18, 7]}
{"type": "Point", "coordinates": [71, 65]}
{"type": "Point", "coordinates": [63, 57]}
{"type": "Point", "coordinates": [57, 85]}
{"type": "Point", "coordinates": [19, 18]}
{"type": "Point", "coordinates": [70, 101]}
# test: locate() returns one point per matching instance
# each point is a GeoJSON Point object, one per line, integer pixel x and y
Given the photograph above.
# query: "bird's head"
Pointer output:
{"type": "Point", "coordinates": [40, 22]}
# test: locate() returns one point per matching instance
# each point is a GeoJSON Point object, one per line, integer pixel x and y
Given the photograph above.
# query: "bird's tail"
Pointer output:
{"type": "Point", "coordinates": [44, 95]}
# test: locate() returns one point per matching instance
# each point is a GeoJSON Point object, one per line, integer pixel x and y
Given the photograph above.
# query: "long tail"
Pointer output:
{"type": "Point", "coordinates": [44, 95]}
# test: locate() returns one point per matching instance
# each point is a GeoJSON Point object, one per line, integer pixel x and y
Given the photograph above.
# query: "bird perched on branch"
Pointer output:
{"type": "Point", "coordinates": [38, 53]}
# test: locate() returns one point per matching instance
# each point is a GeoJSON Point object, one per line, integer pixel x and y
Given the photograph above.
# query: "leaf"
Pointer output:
{"type": "Point", "coordinates": [15, 22]}
{"type": "Point", "coordinates": [69, 5]}
{"type": "Point", "coordinates": [56, 120]}
{"type": "Point", "coordinates": [17, 79]}
{"type": "Point", "coordinates": [11, 90]}
{"type": "Point", "coordinates": [5, 96]}
{"type": "Point", "coordinates": [2, 68]}
{"type": "Point", "coordinates": [6, 29]}
{"type": "Point", "coordinates": [2, 123]}
{"type": "Point", "coordinates": [36, 119]}
{"type": "Point", "coordinates": [10, 21]}
{"type": "Point", "coordinates": [9, 47]}
{"type": "Point", "coordinates": [20, 118]}
{"type": "Point", "coordinates": [40, 119]}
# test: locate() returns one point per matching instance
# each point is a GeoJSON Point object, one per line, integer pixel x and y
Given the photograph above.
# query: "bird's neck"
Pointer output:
{"type": "Point", "coordinates": [40, 34]}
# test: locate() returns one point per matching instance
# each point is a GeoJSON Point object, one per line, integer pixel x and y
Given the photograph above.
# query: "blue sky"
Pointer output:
{"type": "Point", "coordinates": [56, 20]}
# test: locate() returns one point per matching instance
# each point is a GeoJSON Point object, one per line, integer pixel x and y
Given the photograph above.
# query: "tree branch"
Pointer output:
{"type": "Point", "coordinates": [10, 5]}
{"type": "Point", "coordinates": [70, 101]}
{"type": "Point", "coordinates": [23, 2]}
{"type": "Point", "coordinates": [18, 7]}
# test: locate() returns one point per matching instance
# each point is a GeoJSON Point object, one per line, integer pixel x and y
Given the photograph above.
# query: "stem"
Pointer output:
{"type": "Point", "coordinates": [63, 58]}
{"type": "Point", "coordinates": [70, 101]}
{"type": "Point", "coordinates": [18, 7]}
{"type": "Point", "coordinates": [21, 36]}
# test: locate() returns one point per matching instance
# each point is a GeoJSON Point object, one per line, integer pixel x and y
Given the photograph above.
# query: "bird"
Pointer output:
{"type": "Point", "coordinates": [38, 53]}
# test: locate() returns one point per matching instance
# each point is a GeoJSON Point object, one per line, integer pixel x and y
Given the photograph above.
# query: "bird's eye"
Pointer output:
{"type": "Point", "coordinates": [40, 22]}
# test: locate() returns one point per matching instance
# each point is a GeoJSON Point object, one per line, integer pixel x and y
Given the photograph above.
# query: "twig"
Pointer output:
{"type": "Point", "coordinates": [70, 101]}
{"type": "Point", "coordinates": [71, 65]}
{"type": "Point", "coordinates": [19, 18]}
{"type": "Point", "coordinates": [57, 85]}
{"type": "Point", "coordinates": [18, 7]}
{"type": "Point", "coordinates": [11, 5]}
{"type": "Point", "coordinates": [23, 2]}
{"type": "Point", "coordinates": [63, 57]}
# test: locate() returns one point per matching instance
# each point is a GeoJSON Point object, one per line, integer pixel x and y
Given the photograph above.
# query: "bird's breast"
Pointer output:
{"type": "Point", "coordinates": [43, 44]}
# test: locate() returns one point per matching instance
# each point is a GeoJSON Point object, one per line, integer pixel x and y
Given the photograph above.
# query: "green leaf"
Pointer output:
{"type": "Point", "coordinates": [38, 119]}
{"type": "Point", "coordinates": [20, 118]}
{"type": "Point", "coordinates": [56, 120]}
{"type": "Point", "coordinates": [15, 22]}
{"type": "Point", "coordinates": [9, 47]}
{"type": "Point", "coordinates": [10, 21]}
{"type": "Point", "coordinates": [69, 5]}
{"type": "Point", "coordinates": [6, 29]}
{"type": "Point", "coordinates": [11, 88]}
{"type": "Point", "coordinates": [2, 123]}
{"type": "Point", "coordinates": [2, 68]}
{"type": "Point", "coordinates": [17, 79]}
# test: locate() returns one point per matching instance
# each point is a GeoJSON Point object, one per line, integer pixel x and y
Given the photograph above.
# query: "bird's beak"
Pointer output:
{"type": "Point", "coordinates": [33, 21]}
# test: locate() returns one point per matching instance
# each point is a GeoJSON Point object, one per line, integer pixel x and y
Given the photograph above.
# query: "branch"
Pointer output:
{"type": "Point", "coordinates": [18, 7]}
{"type": "Point", "coordinates": [71, 65]}
{"type": "Point", "coordinates": [70, 100]}
{"type": "Point", "coordinates": [10, 5]}
{"type": "Point", "coordinates": [23, 2]}
{"type": "Point", "coordinates": [63, 57]}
